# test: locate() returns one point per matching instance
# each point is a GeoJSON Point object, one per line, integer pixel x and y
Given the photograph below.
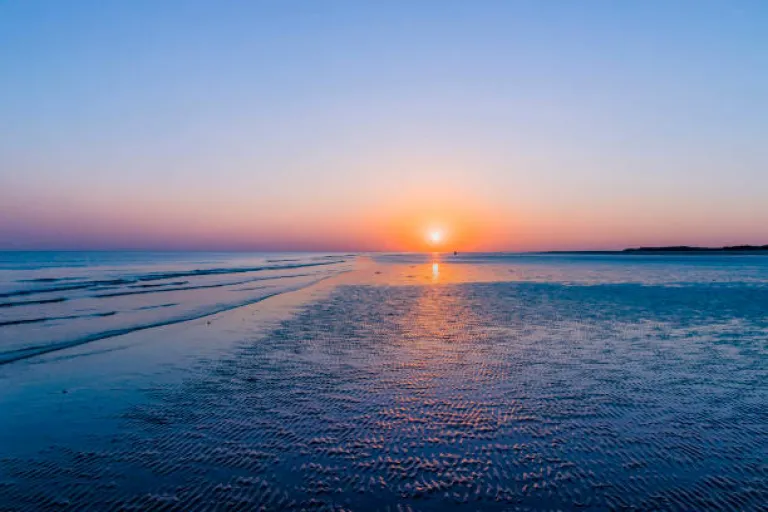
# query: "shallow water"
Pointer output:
{"type": "Point", "coordinates": [51, 301]}
{"type": "Point", "coordinates": [429, 383]}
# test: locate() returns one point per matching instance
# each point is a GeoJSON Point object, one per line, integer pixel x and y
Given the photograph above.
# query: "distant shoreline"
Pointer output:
{"type": "Point", "coordinates": [678, 249]}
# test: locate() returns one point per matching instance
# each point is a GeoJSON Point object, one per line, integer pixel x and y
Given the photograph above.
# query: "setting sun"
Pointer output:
{"type": "Point", "coordinates": [435, 237]}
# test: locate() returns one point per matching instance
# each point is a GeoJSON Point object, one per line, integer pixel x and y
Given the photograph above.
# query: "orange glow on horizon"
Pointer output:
{"type": "Point", "coordinates": [439, 221]}
{"type": "Point", "coordinates": [439, 217]}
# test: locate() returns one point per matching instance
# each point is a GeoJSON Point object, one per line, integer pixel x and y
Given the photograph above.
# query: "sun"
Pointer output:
{"type": "Point", "coordinates": [435, 237]}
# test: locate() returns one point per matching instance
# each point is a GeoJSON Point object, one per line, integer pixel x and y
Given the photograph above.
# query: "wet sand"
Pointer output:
{"type": "Point", "coordinates": [417, 385]}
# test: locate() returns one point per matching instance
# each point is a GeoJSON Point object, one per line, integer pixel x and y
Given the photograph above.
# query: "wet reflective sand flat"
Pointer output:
{"type": "Point", "coordinates": [437, 383]}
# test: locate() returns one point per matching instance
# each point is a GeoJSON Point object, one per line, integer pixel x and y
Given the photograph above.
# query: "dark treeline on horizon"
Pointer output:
{"type": "Point", "coordinates": [675, 249]}
{"type": "Point", "coordinates": [687, 248]}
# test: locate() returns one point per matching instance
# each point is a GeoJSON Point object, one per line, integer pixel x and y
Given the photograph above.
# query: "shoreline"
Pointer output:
{"type": "Point", "coordinates": [100, 378]}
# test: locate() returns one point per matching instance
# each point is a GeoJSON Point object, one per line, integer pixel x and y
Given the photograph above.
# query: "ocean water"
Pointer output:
{"type": "Point", "coordinates": [434, 382]}
{"type": "Point", "coordinates": [54, 300]}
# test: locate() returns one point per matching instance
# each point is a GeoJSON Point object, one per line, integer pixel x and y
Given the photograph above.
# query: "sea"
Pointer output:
{"type": "Point", "coordinates": [392, 382]}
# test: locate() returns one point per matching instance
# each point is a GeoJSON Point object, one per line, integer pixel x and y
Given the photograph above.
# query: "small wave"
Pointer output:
{"type": "Point", "coordinates": [31, 302]}
{"type": "Point", "coordinates": [198, 287]}
{"type": "Point", "coordinates": [53, 318]}
{"type": "Point", "coordinates": [170, 304]}
{"type": "Point", "coordinates": [231, 270]}
{"type": "Point", "coordinates": [177, 289]}
{"type": "Point", "coordinates": [65, 288]}
{"type": "Point", "coordinates": [48, 279]}
{"type": "Point", "coordinates": [52, 289]}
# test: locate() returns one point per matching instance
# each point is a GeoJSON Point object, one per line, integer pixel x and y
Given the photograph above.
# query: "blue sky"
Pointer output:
{"type": "Point", "coordinates": [548, 124]}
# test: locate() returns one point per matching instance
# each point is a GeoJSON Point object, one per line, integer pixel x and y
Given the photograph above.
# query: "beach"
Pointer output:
{"type": "Point", "coordinates": [396, 382]}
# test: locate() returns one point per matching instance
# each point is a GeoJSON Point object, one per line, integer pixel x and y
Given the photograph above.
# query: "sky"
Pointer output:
{"type": "Point", "coordinates": [347, 125]}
